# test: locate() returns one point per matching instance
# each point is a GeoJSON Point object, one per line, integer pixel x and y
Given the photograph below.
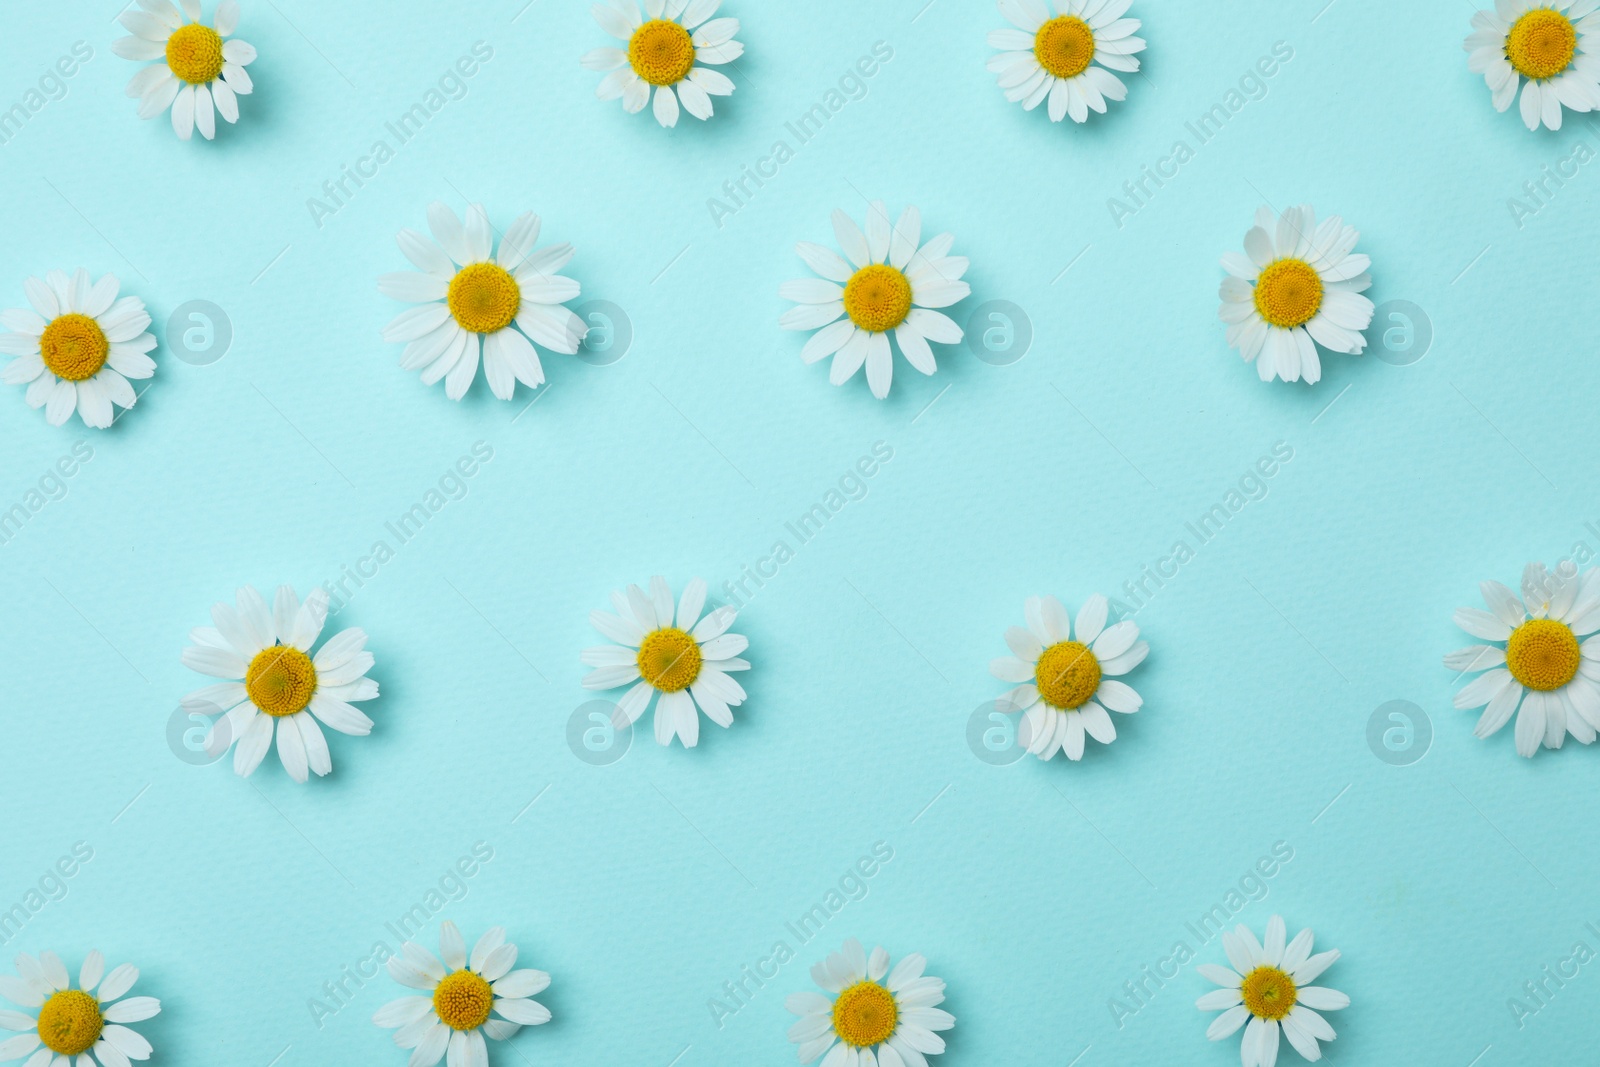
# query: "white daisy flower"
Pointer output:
{"type": "Point", "coordinates": [682, 656]}
{"type": "Point", "coordinates": [888, 284]}
{"type": "Point", "coordinates": [462, 995]}
{"type": "Point", "coordinates": [266, 652]}
{"type": "Point", "coordinates": [1538, 663]}
{"type": "Point", "coordinates": [201, 74]}
{"type": "Point", "coordinates": [1067, 59]}
{"type": "Point", "coordinates": [1068, 684]}
{"type": "Point", "coordinates": [1266, 986]}
{"type": "Point", "coordinates": [83, 1025]}
{"type": "Point", "coordinates": [1554, 44]}
{"type": "Point", "coordinates": [870, 1021]}
{"type": "Point", "coordinates": [1298, 286]}
{"type": "Point", "coordinates": [77, 347]}
{"type": "Point", "coordinates": [470, 301]}
{"type": "Point", "coordinates": [665, 48]}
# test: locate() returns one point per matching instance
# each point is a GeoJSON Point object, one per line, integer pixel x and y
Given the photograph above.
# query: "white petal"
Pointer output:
{"type": "Point", "coordinates": [666, 106]}
{"type": "Point", "coordinates": [522, 1012]}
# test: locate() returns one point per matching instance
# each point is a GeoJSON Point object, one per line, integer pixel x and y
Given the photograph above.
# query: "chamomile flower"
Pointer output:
{"type": "Point", "coordinates": [1553, 45]}
{"type": "Point", "coordinates": [677, 653]}
{"type": "Point", "coordinates": [1540, 661]}
{"type": "Point", "coordinates": [275, 682]}
{"type": "Point", "coordinates": [201, 74]}
{"type": "Point", "coordinates": [870, 1019]}
{"type": "Point", "coordinates": [463, 996]}
{"type": "Point", "coordinates": [665, 49]}
{"type": "Point", "coordinates": [77, 347]}
{"type": "Point", "coordinates": [1067, 59]}
{"type": "Point", "coordinates": [1067, 683]}
{"type": "Point", "coordinates": [1266, 986]}
{"type": "Point", "coordinates": [469, 301]}
{"type": "Point", "coordinates": [884, 283]}
{"type": "Point", "coordinates": [1298, 285]}
{"type": "Point", "coordinates": [83, 1025]}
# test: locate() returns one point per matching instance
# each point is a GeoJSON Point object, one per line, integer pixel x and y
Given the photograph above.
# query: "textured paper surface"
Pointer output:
{"type": "Point", "coordinates": [1038, 891]}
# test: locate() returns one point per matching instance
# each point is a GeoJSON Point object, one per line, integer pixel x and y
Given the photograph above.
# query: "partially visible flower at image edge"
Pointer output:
{"type": "Point", "coordinates": [468, 998]}
{"type": "Point", "coordinates": [1550, 49]}
{"type": "Point", "coordinates": [84, 1026]}
{"type": "Point", "coordinates": [1268, 986]}
{"type": "Point", "coordinates": [876, 1016]}
{"type": "Point", "coordinates": [201, 74]}
{"type": "Point", "coordinates": [666, 50]}
{"type": "Point", "coordinates": [77, 346]}
{"type": "Point", "coordinates": [1543, 666]}
{"type": "Point", "coordinates": [1068, 59]}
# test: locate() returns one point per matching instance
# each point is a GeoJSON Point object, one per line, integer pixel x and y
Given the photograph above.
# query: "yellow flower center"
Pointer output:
{"type": "Point", "coordinates": [1064, 46]}
{"type": "Point", "coordinates": [194, 53]}
{"type": "Point", "coordinates": [1067, 675]}
{"type": "Point", "coordinates": [74, 347]}
{"type": "Point", "coordinates": [1541, 43]}
{"type": "Point", "coordinates": [462, 1000]}
{"type": "Point", "coordinates": [877, 298]}
{"type": "Point", "coordinates": [669, 659]}
{"type": "Point", "coordinates": [280, 680]}
{"type": "Point", "coordinates": [484, 298]}
{"type": "Point", "coordinates": [1289, 293]}
{"type": "Point", "coordinates": [1268, 993]}
{"type": "Point", "coordinates": [1543, 654]}
{"type": "Point", "coordinates": [865, 1014]}
{"type": "Point", "coordinates": [70, 1022]}
{"type": "Point", "coordinates": [661, 52]}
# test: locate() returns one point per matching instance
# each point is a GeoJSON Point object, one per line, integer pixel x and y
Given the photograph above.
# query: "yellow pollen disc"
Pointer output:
{"type": "Point", "coordinates": [1268, 993]}
{"type": "Point", "coordinates": [280, 680]}
{"type": "Point", "coordinates": [669, 659]}
{"type": "Point", "coordinates": [484, 298]}
{"type": "Point", "coordinates": [661, 52]}
{"type": "Point", "coordinates": [70, 1022]}
{"type": "Point", "coordinates": [1067, 675]}
{"type": "Point", "coordinates": [1543, 654]}
{"type": "Point", "coordinates": [194, 53]}
{"type": "Point", "coordinates": [462, 1000]}
{"type": "Point", "coordinates": [1541, 44]}
{"type": "Point", "coordinates": [877, 298]}
{"type": "Point", "coordinates": [1064, 46]}
{"type": "Point", "coordinates": [865, 1014]}
{"type": "Point", "coordinates": [74, 347]}
{"type": "Point", "coordinates": [1289, 293]}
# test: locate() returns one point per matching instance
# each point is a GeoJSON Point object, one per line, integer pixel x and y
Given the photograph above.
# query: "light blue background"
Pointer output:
{"type": "Point", "coordinates": [1035, 890]}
